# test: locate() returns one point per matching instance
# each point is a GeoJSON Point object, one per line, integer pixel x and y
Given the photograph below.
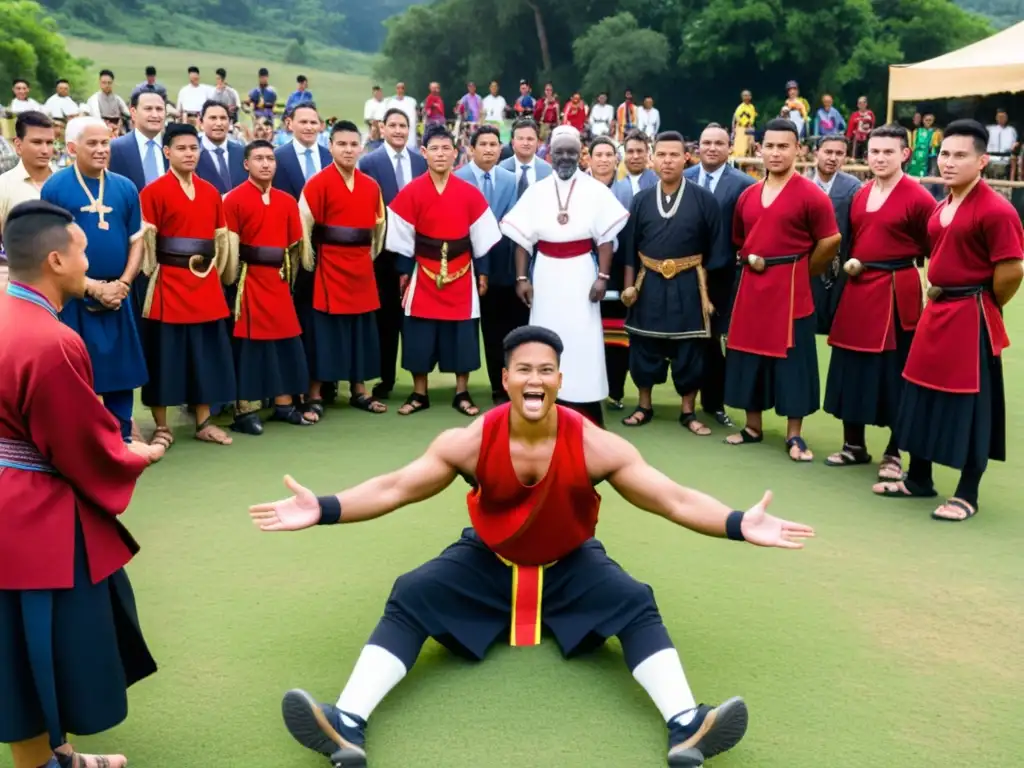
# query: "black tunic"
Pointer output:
{"type": "Point", "coordinates": [670, 308]}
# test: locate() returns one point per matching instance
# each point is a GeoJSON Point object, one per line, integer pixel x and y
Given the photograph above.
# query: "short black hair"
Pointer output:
{"type": "Point", "coordinates": [264, 72]}
{"type": "Point", "coordinates": [531, 334]}
{"type": "Point", "coordinates": [525, 122]}
{"type": "Point", "coordinates": [834, 137]}
{"type": "Point", "coordinates": [33, 230]}
{"type": "Point", "coordinates": [223, 73]}
{"type": "Point", "coordinates": [176, 130]}
{"type": "Point", "coordinates": [783, 125]}
{"type": "Point", "coordinates": [636, 135]}
{"type": "Point", "coordinates": [106, 73]}
{"type": "Point", "coordinates": [212, 104]}
{"type": "Point", "coordinates": [972, 129]}
{"type": "Point", "coordinates": [603, 140]}
{"type": "Point", "coordinates": [193, 69]}
{"type": "Point", "coordinates": [304, 105]}
{"type": "Point", "coordinates": [17, 80]}
{"type": "Point", "coordinates": [437, 131]}
{"type": "Point", "coordinates": [670, 136]}
{"type": "Point", "coordinates": [257, 144]}
{"type": "Point", "coordinates": [344, 126]}
{"type": "Point", "coordinates": [890, 131]}
{"type": "Point", "coordinates": [137, 96]}
{"type": "Point", "coordinates": [151, 71]}
{"type": "Point", "coordinates": [301, 79]}
{"type": "Point", "coordinates": [62, 80]}
{"type": "Point", "coordinates": [33, 118]}
{"type": "Point", "coordinates": [395, 111]}
{"type": "Point", "coordinates": [484, 130]}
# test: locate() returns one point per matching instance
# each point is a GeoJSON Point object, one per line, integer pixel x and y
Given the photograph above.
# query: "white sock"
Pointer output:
{"type": "Point", "coordinates": [663, 678]}
{"type": "Point", "coordinates": [377, 671]}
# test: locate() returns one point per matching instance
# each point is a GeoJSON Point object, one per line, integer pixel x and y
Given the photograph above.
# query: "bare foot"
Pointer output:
{"type": "Point", "coordinates": [79, 760]}
{"type": "Point", "coordinates": [208, 432]}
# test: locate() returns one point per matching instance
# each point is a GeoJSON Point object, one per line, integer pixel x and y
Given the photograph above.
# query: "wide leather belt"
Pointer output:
{"type": "Point", "coordinates": [261, 255]}
{"type": "Point", "coordinates": [186, 252]}
{"type": "Point", "coordinates": [434, 249]}
{"type": "Point", "coordinates": [939, 293]}
{"type": "Point", "coordinates": [669, 268]}
{"type": "Point", "coordinates": [325, 235]}
{"type": "Point", "coordinates": [774, 261]}
{"type": "Point", "coordinates": [889, 266]}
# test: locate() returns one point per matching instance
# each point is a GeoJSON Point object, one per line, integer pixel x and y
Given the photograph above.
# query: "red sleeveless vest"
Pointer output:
{"type": "Point", "coordinates": [537, 524]}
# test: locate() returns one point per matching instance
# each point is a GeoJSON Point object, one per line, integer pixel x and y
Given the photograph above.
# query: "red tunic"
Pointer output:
{"type": "Point", "coordinates": [767, 303]}
{"type": "Point", "coordinates": [179, 296]}
{"type": "Point", "coordinates": [264, 310]}
{"type": "Point", "coordinates": [535, 524]}
{"type": "Point", "coordinates": [576, 115]}
{"type": "Point", "coordinates": [460, 213]}
{"type": "Point", "coordinates": [865, 320]}
{"type": "Point", "coordinates": [344, 280]}
{"type": "Point", "coordinates": [47, 400]}
{"type": "Point", "coordinates": [945, 354]}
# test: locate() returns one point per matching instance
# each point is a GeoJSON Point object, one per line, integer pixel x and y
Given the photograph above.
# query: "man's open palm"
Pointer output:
{"type": "Point", "coordinates": [764, 530]}
{"type": "Point", "coordinates": [293, 514]}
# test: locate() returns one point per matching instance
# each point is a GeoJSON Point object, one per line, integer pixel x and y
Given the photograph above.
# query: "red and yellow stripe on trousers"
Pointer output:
{"type": "Point", "coordinates": [527, 597]}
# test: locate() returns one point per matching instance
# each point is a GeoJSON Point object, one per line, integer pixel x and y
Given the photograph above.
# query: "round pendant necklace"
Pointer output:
{"type": "Point", "coordinates": [563, 210]}
{"type": "Point", "coordinates": [675, 206]}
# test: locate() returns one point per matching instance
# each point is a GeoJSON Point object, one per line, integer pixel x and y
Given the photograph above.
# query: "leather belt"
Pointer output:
{"type": "Point", "coordinates": [669, 268]}
{"type": "Point", "coordinates": [261, 255]}
{"type": "Point", "coordinates": [894, 265]}
{"type": "Point", "coordinates": [326, 235]}
{"type": "Point", "coordinates": [938, 292]}
{"type": "Point", "coordinates": [774, 261]}
{"type": "Point", "coordinates": [193, 254]}
{"type": "Point", "coordinates": [440, 250]}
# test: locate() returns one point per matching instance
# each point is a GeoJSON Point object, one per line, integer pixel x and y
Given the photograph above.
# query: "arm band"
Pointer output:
{"type": "Point", "coordinates": [734, 526]}
{"type": "Point", "coordinates": [330, 510]}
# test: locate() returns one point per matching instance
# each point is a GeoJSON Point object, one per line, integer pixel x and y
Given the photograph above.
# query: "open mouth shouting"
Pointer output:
{"type": "Point", "coordinates": [533, 400]}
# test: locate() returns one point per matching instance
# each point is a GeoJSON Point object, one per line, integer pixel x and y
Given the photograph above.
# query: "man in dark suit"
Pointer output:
{"type": "Point", "coordinates": [303, 157]}
{"type": "Point", "coordinates": [392, 166]}
{"type": "Point", "coordinates": [501, 310]}
{"type": "Point", "coordinates": [840, 187]}
{"type": "Point", "coordinates": [726, 184]}
{"type": "Point", "coordinates": [524, 162]}
{"type": "Point", "coordinates": [139, 154]}
{"type": "Point", "coordinates": [221, 160]}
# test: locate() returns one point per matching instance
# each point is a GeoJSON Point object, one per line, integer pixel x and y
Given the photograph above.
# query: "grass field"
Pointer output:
{"type": "Point", "coordinates": [340, 95]}
{"type": "Point", "coordinates": [892, 641]}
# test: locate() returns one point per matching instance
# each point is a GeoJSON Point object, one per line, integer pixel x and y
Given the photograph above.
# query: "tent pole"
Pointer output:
{"type": "Point", "coordinates": [889, 111]}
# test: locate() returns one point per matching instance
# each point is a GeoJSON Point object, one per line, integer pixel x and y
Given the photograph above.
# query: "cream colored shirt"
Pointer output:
{"type": "Point", "coordinates": [15, 187]}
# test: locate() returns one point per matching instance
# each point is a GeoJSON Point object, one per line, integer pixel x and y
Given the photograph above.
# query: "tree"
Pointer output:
{"type": "Point", "coordinates": [30, 47]}
{"type": "Point", "coordinates": [615, 53]}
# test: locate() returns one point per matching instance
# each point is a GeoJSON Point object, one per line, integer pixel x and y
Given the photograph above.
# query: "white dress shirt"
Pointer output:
{"type": "Point", "coordinates": [374, 109]}
{"type": "Point", "coordinates": [400, 156]}
{"type": "Point", "coordinates": [494, 108]}
{"type": "Point", "coordinates": [826, 186]}
{"type": "Point", "coordinates": [61, 107]}
{"type": "Point", "coordinates": [300, 152]}
{"type": "Point", "coordinates": [531, 170]}
{"type": "Point", "coordinates": [716, 176]}
{"type": "Point", "coordinates": [18, 106]}
{"type": "Point", "coordinates": [601, 117]}
{"type": "Point", "coordinates": [648, 120]}
{"type": "Point", "coordinates": [1001, 139]}
{"type": "Point", "coordinates": [192, 97]}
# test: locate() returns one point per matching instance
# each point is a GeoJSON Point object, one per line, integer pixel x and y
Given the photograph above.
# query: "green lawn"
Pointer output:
{"type": "Point", "coordinates": [340, 95]}
{"type": "Point", "coordinates": [891, 641]}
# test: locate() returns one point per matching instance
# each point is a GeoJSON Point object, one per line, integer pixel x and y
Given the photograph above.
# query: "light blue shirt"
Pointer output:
{"type": "Point", "coordinates": [716, 176]}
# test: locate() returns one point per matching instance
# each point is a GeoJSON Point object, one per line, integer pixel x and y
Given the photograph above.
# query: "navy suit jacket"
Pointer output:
{"type": "Point", "coordinates": [206, 168]}
{"type": "Point", "coordinates": [378, 166]}
{"type": "Point", "coordinates": [289, 176]}
{"type": "Point", "coordinates": [498, 263]}
{"type": "Point", "coordinates": [721, 263]}
{"type": "Point", "coordinates": [126, 161]}
{"type": "Point", "coordinates": [827, 288]}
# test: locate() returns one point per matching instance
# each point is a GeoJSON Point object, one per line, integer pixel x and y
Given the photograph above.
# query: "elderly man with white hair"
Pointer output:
{"type": "Point", "coordinates": [106, 206]}
{"type": "Point", "coordinates": [565, 217]}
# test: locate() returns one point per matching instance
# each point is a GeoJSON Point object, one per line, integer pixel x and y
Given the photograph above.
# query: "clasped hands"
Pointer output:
{"type": "Point", "coordinates": [109, 294]}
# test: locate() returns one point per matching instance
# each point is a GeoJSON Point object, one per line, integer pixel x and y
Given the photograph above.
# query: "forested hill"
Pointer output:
{"type": "Point", "coordinates": [1003, 13]}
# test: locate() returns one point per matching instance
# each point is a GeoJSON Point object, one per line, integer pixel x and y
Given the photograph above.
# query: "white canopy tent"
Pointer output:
{"type": "Point", "coordinates": [992, 65]}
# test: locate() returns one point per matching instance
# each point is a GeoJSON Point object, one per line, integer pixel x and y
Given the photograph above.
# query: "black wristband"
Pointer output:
{"type": "Point", "coordinates": [734, 526]}
{"type": "Point", "coordinates": [330, 510]}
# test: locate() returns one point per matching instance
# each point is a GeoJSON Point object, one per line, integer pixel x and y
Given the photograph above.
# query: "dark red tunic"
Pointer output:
{"type": "Point", "coordinates": [536, 524]}
{"type": "Point", "coordinates": [898, 231]}
{"type": "Point", "coordinates": [945, 354]}
{"type": "Point", "coordinates": [767, 303]}
{"type": "Point", "coordinates": [265, 311]}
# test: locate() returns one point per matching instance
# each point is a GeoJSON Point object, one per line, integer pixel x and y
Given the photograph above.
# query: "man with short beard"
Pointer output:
{"type": "Point", "coordinates": [566, 217]}
{"type": "Point", "coordinates": [786, 232]}
{"type": "Point", "coordinates": [880, 304]}
{"type": "Point", "coordinates": [106, 207]}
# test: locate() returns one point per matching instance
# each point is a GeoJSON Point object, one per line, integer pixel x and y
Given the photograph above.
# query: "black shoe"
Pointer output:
{"type": "Point", "coordinates": [382, 391]}
{"type": "Point", "coordinates": [721, 417]}
{"type": "Point", "coordinates": [329, 392]}
{"type": "Point", "coordinates": [701, 733]}
{"type": "Point", "coordinates": [322, 728]}
{"type": "Point", "coordinates": [248, 424]}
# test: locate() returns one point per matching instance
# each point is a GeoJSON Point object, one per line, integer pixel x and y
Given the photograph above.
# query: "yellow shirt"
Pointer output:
{"type": "Point", "coordinates": [16, 186]}
{"type": "Point", "coordinates": [745, 116]}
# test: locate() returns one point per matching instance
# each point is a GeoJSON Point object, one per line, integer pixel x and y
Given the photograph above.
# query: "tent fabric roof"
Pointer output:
{"type": "Point", "coordinates": [992, 65]}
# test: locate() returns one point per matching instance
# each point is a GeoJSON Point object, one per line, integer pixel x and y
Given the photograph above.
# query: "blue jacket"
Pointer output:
{"type": "Point", "coordinates": [623, 190]}
{"type": "Point", "coordinates": [206, 167]}
{"type": "Point", "coordinates": [379, 167]}
{"type": "Point", "coordinates": [289, 176]}
{"type": "Point", "coordinates": [126, 161]}
{"type": "Point", "coordinates": [541, 168]}
{"type": "Point", "coordinates": [498, 264]}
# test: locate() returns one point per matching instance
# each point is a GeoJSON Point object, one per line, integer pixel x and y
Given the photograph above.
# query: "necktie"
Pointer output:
{"type": "Point", "coordinates": [222, 168]}
{"type": "Point", "coordinates": [488, 187]}
{"type": "Point", "coordinates": [149, 165]}
{"type": "Point", "coordinates": [707, 181]}
{"type": "Point", "coordinates": [524, 181]}
{"type": "Point", "coordinates": [310, 168]}
{"type": "Point", "coordinates": [399, 171]}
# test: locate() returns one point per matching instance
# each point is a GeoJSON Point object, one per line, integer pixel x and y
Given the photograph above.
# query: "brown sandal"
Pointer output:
{"type": "Point", "coordinates": [208, 432]}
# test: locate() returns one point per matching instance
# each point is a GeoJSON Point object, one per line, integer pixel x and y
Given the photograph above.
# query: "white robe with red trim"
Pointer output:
{"type": "Point", "coordinates": [561, 286]}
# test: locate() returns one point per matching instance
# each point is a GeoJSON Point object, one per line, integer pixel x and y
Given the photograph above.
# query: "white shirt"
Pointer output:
{"type": "Point", "coordinates": [601, 116]}
{"type": "Point", "coordinates": [400, 156]}
{"type": "Point", "coordinates": [300, 152]}
{"type": "Point", "coordinates": [648, 120]}
{"type": "Point", "coordinates": [60, 107]}
{"type": "Point", "coordinates": [159, 149]}
{"type": "Point", "coordinates": [494, 108]}
{"type": "Point", "coordinates": [634, 182]}
{"type": "Point", "coordinates": [192, 97]}
{"type": "Point", "coordinates": [1001, 139]}
{"type": "Point", "coordinates": [826, 186]}
{"type": "Point", "coordinates": [209, 146]}
{"type": "Point", "coordinates": [374, 109]}
{"type": "Point", "coordinates": [18, 106]}
{"type": "Point", "coordinates": [716, 176]}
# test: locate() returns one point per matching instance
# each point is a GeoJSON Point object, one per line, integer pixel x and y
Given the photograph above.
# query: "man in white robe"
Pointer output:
{"type": "Point", "coordinates": [572, 220]}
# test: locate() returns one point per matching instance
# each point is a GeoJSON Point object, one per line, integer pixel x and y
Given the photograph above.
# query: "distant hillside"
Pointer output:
{"type": "Point", "coordinates": [297, 31]}
{"type": "Point", "coordinates": [1004, 13]}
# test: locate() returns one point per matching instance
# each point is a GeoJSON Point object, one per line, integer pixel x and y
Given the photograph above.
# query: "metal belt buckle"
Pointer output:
{"type": "Point", "coordinates": [668, 268]}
